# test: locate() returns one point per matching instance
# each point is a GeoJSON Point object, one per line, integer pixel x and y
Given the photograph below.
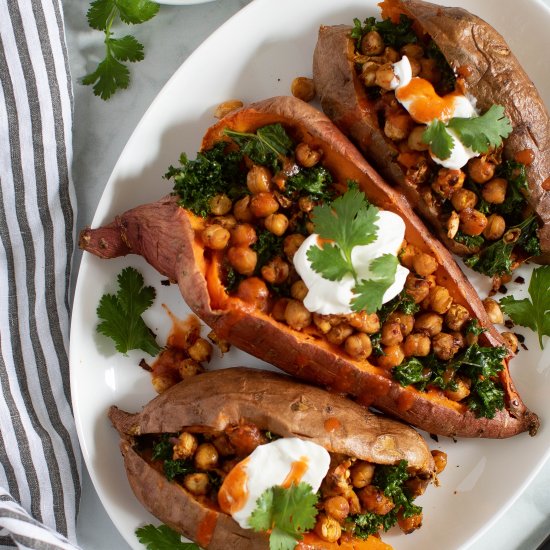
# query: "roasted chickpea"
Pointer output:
{"type": "Point", "coordinates": [361, 474]}
{"type": "Point", "coordinates": [303, 88]}
{"type": "Point", "coordinates": [223, 446]}
{"type": "Point", "coordinates": [410, 523]}
{"type": "Point", "coordinates": [456, 317]}
{"type": "Point", "coordinates": [327, 528]}
{"type": "Point", "coordinates": [429, 70]}
{"type": "Point", "coordinates": [306, 204]}
{"type": "Point", "coordinates": [243, 234]}
{"type": "Point", "coordinates": [448, 182]}
{"type": "Point", "coordinates": [494, 191]}
{"type": "Point", "coordinates": [407, 254]}
{"type": "Point", "coordinates": [398, 125]}
{"type": "Point", "coordinates": [416, 51]}
{"type": "Point", "coordinates": [416, 66]}
{"type": "Point", "coordinates": [440, 460]}
{"type": "Point", "coordinates": [206, 456]}
{"type": "Point", "coordinates": [444, 346]}
{"type": "Point", "coordinates": [258, 179]}
{"type": "Point", "coordinates": [417, 345]}
{"type": "Point", "coordinates": [338, 334]}
{"type": "Point", "coordinates": [472, 222]}
{"type": "Point", "coordinates": [391, 334]}
{"type": "Point", "coordinates": [424, 264]}
{"type": "Point", "coordinates": [385, 76]}
{"type": "Point", "coordinates": [391, 54]}
{"type": "Point", "coordinates": [372, 43]}
{"type": "Point", "coordinates": [296, 315]}
{"type": "Point", "coordinates": [496, 225]}
{"type": "Point", "coordinates": [481, 170]}
{"type": "Point", "coordinates": [358, 346]}
{"type": "Point", "coordinates": [278, 310]}
{"type": "Point", "coordinates": [511, 341]}
{"type": "Point", "coordinates": [368, 73]}
{"type": "Point", "coordinates": [243, 259]}
{"type": "Point", "coordinates": [276, 224]}
{"type": "Point", "coordinates": [405, 320]}
{"type": "Point", "coordinates": [201, 350]}
{"type": "Point", "coordinates": [493, 311]}
{"type": "Point", "coordinates": [241, 210]}
{"type": "Point", "coordinates": [185, 447]}
{"type": "Point", "coordinates": [462, 199]}
{"type": "Point", "coordinates": [227, 222]}
{"type": "Point", "coordinates": [275, 271]}
{"type": "Point", "coordinates": [196, 483]}
{"type": "Point", "coordinates": [452, 225]}
{"type": "Point", "coordinates": [244, 438]}
{"type": "Point", "coordinates": [188, 367]}
{"type": "Point", "coordinates": [322, 322]}
{"type": "Point", "coordinates": [440, 299]}
{"type": "Point", "coordinates": [220, 205]}
{"type": "Point", "coordinates": [417, 288]}
{"type": "Point", "coordinates": [369, 323]}
{"type": "Point", "coordinates": [299, 290]}
{"type": "Point", "coordinates": [428, 323]}
{"type": "Point", "coordinates": [374, 500]}
{"type": "Point", "coordinates": [254, 291]}
{"type": "Point", "coordinates": [215, 237]}
{"type": "Point", "coordinates": [462, 389]}
{"type": "Point", "coordinates": [393, 356]}
{"type": "Point", "coordinates": [306, 156]}
{"type": "Point", "coordinates": [415, 139]}
{"type": "Point", "coordinates": [162, 382]}
{"type": "Point", "coordinates": [263, 204]}
{"type": "Point", "coordinates": [292, 243]}
{"type": "Point", "coordinates": [337, 507]}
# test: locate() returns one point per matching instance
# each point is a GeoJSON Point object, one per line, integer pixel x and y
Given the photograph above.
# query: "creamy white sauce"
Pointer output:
{"type": "Point", "coordinates": [270, 464]}
{"type": "Point", "coordinates": [463, 107]}
{"type": "Point", "coordinates": [334, 297]}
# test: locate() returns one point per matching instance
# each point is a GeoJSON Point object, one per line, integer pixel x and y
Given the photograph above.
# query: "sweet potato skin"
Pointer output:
{"type": "Point", "coordinates": [273, 402]}
{"type": "Point", "coordinates": [163, 234]}
{"type": "Point", "coordinates": [494, 76]}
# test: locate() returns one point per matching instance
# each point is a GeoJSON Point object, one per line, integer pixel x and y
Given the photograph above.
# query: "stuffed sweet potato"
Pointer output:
{"type": "Point", "coordinates": [183, 452]}
{"type": "Point", "coordinates": [429, 355]}
{"type": "Point", "coordinates": [493, 209]}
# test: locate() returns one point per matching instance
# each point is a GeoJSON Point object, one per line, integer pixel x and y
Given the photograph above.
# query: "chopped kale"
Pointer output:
{"type": "Point", "coordinates": [175, 468]}
{"type": "Point", "coordinates": [163, 448]}
{"type": "Point", "coordinates": [448, 78]}
{"type": "Point", "coordinates": [393, 34]}
{"type": "Point", "coordinates": [517, 191]}
{"type": "Point", "coordinates": [213, 172]}
{"type": "Point", "coordinates": [314, 182]}
{"type": "Point", "coordinates": [473, 327]}
{"type": "Point", "coordinates": [469, 240]}
{"type": "Point", "coordinates": [267, 246]}
{"type": "Point", "coordinates": [410, 372]}
{"type": "Point", "coordinates": [402, 302]}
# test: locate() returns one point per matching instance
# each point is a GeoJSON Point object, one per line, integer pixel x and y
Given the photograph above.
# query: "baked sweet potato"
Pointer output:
{"type": "Point", "coordinates": [266, 321]}
{"type": "Point", "coordinates": [233, 409]}
{"type": "Point", "coordinates": [453, 50]}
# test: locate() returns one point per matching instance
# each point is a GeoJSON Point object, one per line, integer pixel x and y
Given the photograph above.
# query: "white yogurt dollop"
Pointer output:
{"type": "Point", "coordinates": [334, 297]}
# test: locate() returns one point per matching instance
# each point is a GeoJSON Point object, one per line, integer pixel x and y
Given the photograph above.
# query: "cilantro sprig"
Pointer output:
{"type": "Point", "coordinates": [479, 133]}
{"type": "Point", "coordinates": [533, 313]}
{"type": "Point", "coordinates": [350, 221]}
{"type": "Point", "coordinates": [120, 314]}
{"type": "Point", "coordinates": [287, 513]}
{"type": "Point", "coordinates": [112, 74]}
{"type": "Point", "coordinates": [162, 538]}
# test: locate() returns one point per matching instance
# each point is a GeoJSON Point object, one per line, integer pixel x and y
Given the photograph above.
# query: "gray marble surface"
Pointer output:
{"type": "Point", "coordinates": [101, 130]}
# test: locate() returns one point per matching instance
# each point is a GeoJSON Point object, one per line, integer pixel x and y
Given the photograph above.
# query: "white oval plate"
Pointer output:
{"type": "Point", "coordinates": [256, 55]}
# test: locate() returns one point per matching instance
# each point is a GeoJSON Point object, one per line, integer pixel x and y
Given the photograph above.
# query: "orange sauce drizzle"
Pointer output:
{"type": "Point", "coordinates": [206, 528]}
{"type": "Point", "coordinates": [331, 424]}
{"type": "Point", "coordinates": [297, 470]}
{"type": "Point", "coordinates": [233, 493]}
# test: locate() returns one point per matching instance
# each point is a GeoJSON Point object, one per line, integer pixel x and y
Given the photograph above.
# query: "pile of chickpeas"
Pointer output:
{"type": "Point", "coordinates": [346, 490]}
{"type": "Point", "coordinates": [436, 184]}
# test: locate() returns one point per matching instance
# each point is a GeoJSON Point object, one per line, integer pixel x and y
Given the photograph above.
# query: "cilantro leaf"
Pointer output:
{"type": "Point", "coordinates": [120, 314]}
{"type": "Point", "coordinates": [288, 512]}
{"type": "Point", "coordinates": [533, 313]}
{"type": "Point", "coordinates": [438, 138]}
{"type": "Point", "coordinates": [483, 132]}
{"type": "Point", "coordinates": [328, 261]}
{"type": "Point", "coordinates": [162, 538]}
{"type": "Point", "coordinates": [111, 75]}
{"type": "Point", "coordinates": [370, 292]}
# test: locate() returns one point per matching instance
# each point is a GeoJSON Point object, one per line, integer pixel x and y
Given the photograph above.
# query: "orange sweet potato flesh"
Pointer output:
{"type": "Point", "coordinates": [493, 76]}
{"type": "Point", "coordinates": [163, 234]}
{"type": "Point", "coordinates": [273, 402]}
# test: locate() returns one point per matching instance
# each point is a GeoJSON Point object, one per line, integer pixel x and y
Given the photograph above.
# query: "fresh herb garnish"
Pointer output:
{"type": "Point", "coordinates": [393, 34]}
{"type": "Point", "coordinates": [162, 538]}
{"type": "Point", "coordinates": [533, 313]}
{"type": "Point", "coordinates": [120, 314]}
{"type": "Point", "coordinates": [287, 513]}
{"type": "Point", "coordinates": [111, 74]}
{"type": "Point", "coordinates": [347, 222]}
{"type": "Point", "coordinates": [391, 481]}
{"type": "Point", "coordinates": [479, 133]}
{"type": "Point", "coordinates": [266, 147]}
{"type": "Point", "coordinates": [213, 172]}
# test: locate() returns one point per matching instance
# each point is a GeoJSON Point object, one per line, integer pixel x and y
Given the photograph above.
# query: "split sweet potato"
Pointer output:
{"type": "Point", "coordinates": [216, 401]}
{"type": "Point", "coordinates": [169, 238]}
{"type": "Point", "coordinates": [485, 68]}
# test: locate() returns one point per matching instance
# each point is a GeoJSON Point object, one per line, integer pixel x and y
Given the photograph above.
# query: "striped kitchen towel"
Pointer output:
{"type": "Point", "coordinates": [39, 456]}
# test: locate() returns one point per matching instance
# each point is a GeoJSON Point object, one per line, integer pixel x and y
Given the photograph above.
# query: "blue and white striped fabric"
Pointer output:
{"type": "Point", "coordinates": [39, 457]}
